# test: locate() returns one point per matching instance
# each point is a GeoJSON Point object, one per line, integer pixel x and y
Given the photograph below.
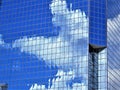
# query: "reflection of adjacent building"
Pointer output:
{"type": "Point", "coordinates": [82, 41]}
{"type": "Point", "coordinates": [113, 44]}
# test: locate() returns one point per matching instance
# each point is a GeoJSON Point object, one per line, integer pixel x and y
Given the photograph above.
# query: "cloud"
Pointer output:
{"type": "Point", "coordinates": [66, 49]}
{"type": "Point", "coordinates": [4, 44]}
{"type": "Point", "coordinates": [1, 41]}
{"type": "Point", "coordinates": [60, 83]}
{"type": "Point", "coordinates": [113, 78]}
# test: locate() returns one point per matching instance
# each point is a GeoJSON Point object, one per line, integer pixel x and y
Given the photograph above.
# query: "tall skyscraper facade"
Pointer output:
{"type": "Point", "coordinates": [59, 44]}
{"type": "Point", "coordinates": [113, 45]}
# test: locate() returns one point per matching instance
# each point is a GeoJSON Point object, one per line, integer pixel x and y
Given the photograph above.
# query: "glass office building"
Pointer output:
{"type": "Point", "coordinates": [58, 44]}
{"type": "Point", "coordinates": [113, 44]}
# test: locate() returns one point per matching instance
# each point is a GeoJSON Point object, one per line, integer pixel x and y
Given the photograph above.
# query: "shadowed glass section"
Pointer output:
{"type": "Point", "coordinates": [93, 71]}
{"type": "Point", "coordinates": [3, 86]}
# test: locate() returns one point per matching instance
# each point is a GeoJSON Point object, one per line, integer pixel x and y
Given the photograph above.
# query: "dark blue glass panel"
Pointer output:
{"type": "Point", "coordinates": [97, 32]}
{"type": "Point", "coordinates": [25, 18]}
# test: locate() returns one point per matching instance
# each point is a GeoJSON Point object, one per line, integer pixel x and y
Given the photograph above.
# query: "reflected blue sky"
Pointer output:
{"type": "Point", "coordinates": [22, 69]}
{"type": "Point", "coordinates": [8, 18]}
{"type": "Point", "coordinates": [26, 18]}
{"type": "Point", "coordinates": [20, 18]}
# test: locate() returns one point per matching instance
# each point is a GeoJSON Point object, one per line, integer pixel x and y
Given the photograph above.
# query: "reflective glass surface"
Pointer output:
{"type": "Point", "coordinates": [97, 21]}
{"type": "Point", "coordinates": [44, 44]}
{"type": "Point", "coordinates": [113, 27]}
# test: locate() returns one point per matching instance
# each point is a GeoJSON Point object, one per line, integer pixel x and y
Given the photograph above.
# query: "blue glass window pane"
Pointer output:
{"type": "Point", "coordinates": [97, 22]}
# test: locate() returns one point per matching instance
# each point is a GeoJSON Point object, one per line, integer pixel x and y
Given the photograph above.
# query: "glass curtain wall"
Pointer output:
{"type": "Point", "coordinates": [97, 45]}
{"type": "Point", "coordinates": [44, 44]}
{"type": "Point", "coordinates": [113, 27]}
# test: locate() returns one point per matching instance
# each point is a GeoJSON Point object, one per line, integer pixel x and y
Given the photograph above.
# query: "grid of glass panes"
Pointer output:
{"type": "Point", "coordinates": [93, 71]}
{"type": "Point", "coordinates": [102, 70]}
{"type": "Point", "coordinates": [42, 49]}
{"type": "Point", "coordinates": [113, 44]}
{"type": "Point", "coordinates": [97, 23]}
{"type": "Point", "coordinates": [97, 38]}
{"type": "Point", "coordinates": [97, 70]}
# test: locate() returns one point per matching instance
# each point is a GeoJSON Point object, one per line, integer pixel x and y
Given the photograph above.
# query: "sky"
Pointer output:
{"type": "Point", "coordinates": [35, 45]}
{"type": "Point", "coordinates": [29, 36]}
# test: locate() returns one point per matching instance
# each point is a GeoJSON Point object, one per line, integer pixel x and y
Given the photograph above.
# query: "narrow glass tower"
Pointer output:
{"type": "Point", "coordinates": [97, 42]}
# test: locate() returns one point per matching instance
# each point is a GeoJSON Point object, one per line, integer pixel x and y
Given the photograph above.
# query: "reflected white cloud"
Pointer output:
{"type": "Point", "coordinates": [60, 83]}
{"type": "Point", "coordinates": [68, 50]}
{"type": "Point", "coordinates": [68, 46]}
{"type": "Point", "coordinates": [1, 41]}
{"type": "Point", "coordinates": [113, 79]}
{"type": "Point", "coordinates": [4, 44]}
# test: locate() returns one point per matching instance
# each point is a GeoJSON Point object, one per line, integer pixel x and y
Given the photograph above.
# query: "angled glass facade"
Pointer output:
{"type": "Point", "coordinates": [58, 44]}
{"type": "Point", "coordinates": [113, 38]}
